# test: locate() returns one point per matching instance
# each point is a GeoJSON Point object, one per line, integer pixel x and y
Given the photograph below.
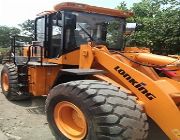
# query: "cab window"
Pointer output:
{"type": "Point", "coordinates": [40, 29]}
{"type": "Point", "coordinates": [56, 36]}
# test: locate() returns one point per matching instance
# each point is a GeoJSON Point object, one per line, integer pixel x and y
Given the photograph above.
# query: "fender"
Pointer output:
{"type": "Point", "coordinates": [66, 75]}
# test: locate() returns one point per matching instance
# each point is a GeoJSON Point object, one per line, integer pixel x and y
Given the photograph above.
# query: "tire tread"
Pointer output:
{"type": "Point", "coordinates": [13, 94]}
{"type": "Point", "coordinates": [116, 114]}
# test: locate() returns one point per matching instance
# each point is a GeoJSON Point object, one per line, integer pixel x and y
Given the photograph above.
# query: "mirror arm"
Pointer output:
{"type": "Point", "coordinates": [58, 17]}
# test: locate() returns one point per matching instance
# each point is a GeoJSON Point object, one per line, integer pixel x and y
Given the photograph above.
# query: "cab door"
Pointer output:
{"type": "Point", "coordinates": [55, 36]}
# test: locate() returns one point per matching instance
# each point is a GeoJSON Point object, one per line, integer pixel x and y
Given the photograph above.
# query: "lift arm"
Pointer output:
{"type": "Point", "coordinates": [158, 104]}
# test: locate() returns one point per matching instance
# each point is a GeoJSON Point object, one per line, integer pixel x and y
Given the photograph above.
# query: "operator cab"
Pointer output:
{"type": "Point", "coordinates": [71, 25]}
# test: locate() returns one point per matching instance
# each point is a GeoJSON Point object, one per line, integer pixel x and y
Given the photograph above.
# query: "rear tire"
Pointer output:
{"type": "Point", "coordinates": [110, 113]}
{"type": "Point", "coordinates": [9, 83]}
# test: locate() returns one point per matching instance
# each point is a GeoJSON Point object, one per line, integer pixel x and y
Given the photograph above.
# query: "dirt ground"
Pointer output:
{"type": "Point", "coordinates": [23, 120]}
{"type": "Point", "coordinates": [26, 120]}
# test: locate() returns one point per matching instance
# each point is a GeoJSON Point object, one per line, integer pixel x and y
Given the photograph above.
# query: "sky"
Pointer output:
{"type": "Point", "coordinates": [14, 12]}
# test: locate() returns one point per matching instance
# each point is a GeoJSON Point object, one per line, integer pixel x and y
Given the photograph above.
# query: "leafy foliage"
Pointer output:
{"type": "Point", "coordinates": [28, 27]}
{"type": "Point", "coordinates": [161, 25]}
{"type": "Point", "coordinates": [6, 33]}
{"type": "Point", "coordinates": [122, 6]}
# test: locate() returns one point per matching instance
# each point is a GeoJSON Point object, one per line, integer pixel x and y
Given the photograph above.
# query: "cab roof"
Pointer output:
{"type": "Point", "coordinates": [46, 13]}
{"type": "Point", "coordinates": [87, 8]}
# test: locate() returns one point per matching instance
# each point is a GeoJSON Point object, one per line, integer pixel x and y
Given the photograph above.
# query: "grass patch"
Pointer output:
{"type": "Point", "coordinates": [4, 50]}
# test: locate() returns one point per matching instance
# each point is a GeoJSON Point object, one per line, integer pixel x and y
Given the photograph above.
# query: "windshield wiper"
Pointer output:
{"type": "Point", "coordinates": [91, 38]}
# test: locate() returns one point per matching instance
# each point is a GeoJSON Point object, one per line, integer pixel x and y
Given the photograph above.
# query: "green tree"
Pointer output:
{"type": "Point", "coordinates": [5, 35]}
{"type": "Point", "coordinates": [161, 25]}
{"type": "Point", "coordinates": [122, 6]}
{"type": "Point", "coordinates": [28, 27]}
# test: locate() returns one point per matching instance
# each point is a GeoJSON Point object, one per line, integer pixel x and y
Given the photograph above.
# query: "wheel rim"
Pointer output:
{"type": "Point", "coordinates": [70, 120]}
{"type": "Point", "coordinates": [5, 81]}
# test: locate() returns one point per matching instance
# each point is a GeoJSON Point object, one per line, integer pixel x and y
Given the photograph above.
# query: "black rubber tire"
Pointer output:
{"type": "Point", "coordinates": [110, 113]}
{"type": "Point", "coordinates": [13, 92]}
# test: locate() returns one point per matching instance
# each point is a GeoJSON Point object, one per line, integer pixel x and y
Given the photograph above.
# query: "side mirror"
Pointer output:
{"type": "Point", "coordinates": [130, 27]}
{"type": "Point", "coordinates": [70, 21]}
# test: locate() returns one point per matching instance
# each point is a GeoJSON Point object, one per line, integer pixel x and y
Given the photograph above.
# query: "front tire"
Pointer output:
{"type": "Point", "coordinates": [110, 114]}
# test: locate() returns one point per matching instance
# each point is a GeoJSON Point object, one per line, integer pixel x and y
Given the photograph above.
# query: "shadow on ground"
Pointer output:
{"type": "Point", "coordinates": [35, 105]}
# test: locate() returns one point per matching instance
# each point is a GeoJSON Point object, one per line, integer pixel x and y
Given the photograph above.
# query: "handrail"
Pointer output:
{"type": "Point", "coordinates": [13, 49]}
{"type": "Point", "coordinates": [29, 53]}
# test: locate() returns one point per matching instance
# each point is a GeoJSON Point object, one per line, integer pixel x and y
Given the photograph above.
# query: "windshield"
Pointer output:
{"type": "Point", "coordinates": [102, 28]}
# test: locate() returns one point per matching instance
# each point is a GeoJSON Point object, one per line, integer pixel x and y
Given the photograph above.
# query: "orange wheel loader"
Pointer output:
{"type": "Point", "coordinates": [96, 88]}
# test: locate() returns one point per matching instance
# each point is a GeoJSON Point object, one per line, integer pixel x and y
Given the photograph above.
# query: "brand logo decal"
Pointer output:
{"type": "Point", "coordinates": [138, 85]}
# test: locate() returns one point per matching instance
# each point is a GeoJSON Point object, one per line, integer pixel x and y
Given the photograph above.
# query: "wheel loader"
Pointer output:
{"type": "Point", "coordinates": [96, 88]}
